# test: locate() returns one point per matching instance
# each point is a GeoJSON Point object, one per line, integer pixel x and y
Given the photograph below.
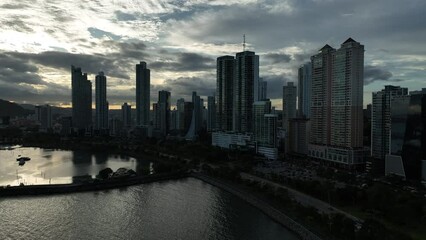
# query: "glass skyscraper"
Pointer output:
{"type": "Point", "coordinates": [143, 81]}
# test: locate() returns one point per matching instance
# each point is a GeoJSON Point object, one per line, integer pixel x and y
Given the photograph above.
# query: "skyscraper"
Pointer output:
{"type": "Point", "coordinates": [381, 120]}
{"type": "Point", "coordinates": [289, 103]}
{"type": "Point", "coordinates": [263, 89]}
{"type": "Point", "coordinates": [271, 132]}
{"type": "Point", "coordinates": [126, 115]}
{"type": "Point", "coordinates": [163, 107]}
{"type": "Point", "coordinates": [347, 91]}
{"type": "Point", "coordinates": [211, 113]}
{"type": "Point", "coordinates": [101, 102]}
{"type": "Point", "coordinates": [180, 117]}
{"type": "Point", "coordinates": [81, 94]}
{"type": "Point", "coordinates": [408, 137]}
{"type": "Point", "coordinates": [246, 90]}
{"type": "Point", "coordinates": [304, 90]}
{"type": "Point", "coordinates": [44, 116]}
{"type": "Point", "coordinates": [225, 74]}
{"type": "Point", "coordinates": [337, 102]}
{"type": "Point", "coordinates": [321, 96]}
{"type": "Point", "coordinates": [260, 108]}
{"type": "Point", "coordinates": [143, 79]}
{"type": "Point", "coordinates": [196, 120]}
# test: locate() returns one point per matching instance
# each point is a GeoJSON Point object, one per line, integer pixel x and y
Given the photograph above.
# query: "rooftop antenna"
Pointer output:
{"type": "Point", "coordinates": [244, 42]}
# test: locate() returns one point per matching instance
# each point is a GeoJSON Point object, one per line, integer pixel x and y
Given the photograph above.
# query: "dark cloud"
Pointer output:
{"type": "Point", "coordinates": [185, 62]}
{"type": "Point", "coordinates": [374, 73]}
{"type": "Point", "coordinates": [98, 33]}
{"type": "Point", "coordinates": [13, 6]}
{"type": "Point", "coordinates": [278, 57]}
{"type": "Point", "coordinates": [184, 86]}
{"type": "Point", "coordinates": [28, 93]}
{"type": "Point", "coordinates": [121, 16]}
{"type": "Point", "coordinates": [275, 85]}
{"type": "Point", "coordinates": [63, 60]}
{"type": "Point", "coordinates": [133, 49]}
{"type": "Point", "coordinates": [18, 25]}
{"type": "Point", "coordinates": [16, 71]}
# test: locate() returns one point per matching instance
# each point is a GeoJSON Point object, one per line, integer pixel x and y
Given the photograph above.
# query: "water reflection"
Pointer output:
{"type": "Point", "coordinates": [184, 209]}
{"type": "Point", "coordinates": [59, 166]}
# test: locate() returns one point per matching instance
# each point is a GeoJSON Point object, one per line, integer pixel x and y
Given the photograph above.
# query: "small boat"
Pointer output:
{"type": "Point", "coordinates": [23, 158]}
{"type": "Point", "coordinates": [21, 162]}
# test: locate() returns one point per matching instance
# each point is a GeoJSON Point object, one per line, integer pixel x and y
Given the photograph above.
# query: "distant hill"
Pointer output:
{"type": "Point", "coordinates": [27, 106]}
{"type": "Point", "coordinates": [12, 109]}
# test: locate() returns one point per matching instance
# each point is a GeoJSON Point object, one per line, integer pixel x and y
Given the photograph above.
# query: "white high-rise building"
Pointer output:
{"type": "Point", "coordinates": [347, 91]}
{"type": "Point", "coordinates": [337, 104]}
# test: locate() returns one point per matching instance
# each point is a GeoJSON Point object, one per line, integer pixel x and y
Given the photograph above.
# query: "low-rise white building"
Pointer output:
{"type": "Point", "coordinates": [228, 139]}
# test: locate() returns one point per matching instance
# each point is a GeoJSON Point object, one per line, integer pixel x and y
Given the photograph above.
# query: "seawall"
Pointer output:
{"type": "Point", "coordinates": [266, 208]}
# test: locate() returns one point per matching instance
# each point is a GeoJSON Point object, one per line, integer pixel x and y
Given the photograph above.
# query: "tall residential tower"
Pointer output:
{"type": "Point", "coordinates": [337, 103]}
{"type": "Point", "coordinates": [143, 79]}
{"type": "Point", "coordinates": [81, 99]}
{"type": "Point", "coordinates": [101, 102]}
{"type": "Point", "coordinates": [246, 90]}
{"type": "Point", "coordinates": [225, 74]}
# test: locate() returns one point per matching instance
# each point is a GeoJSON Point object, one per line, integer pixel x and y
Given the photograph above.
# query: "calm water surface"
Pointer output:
{"type": "Point", "coordinates": [184, 209]}
{"type": "Point", "coordinates": [58, 166]}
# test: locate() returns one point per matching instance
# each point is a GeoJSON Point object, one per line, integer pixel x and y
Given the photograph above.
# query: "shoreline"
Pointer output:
{"type": "Point", "coordinates": [48, 189]}
{"type": "Point", "coordinates": [276, 215]}
{"type": "Point", "coordinates": [267, 209]}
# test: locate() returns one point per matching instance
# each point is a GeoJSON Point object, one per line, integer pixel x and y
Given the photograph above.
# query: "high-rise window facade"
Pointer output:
{"type": "Point", "coordinates": [143, 81]}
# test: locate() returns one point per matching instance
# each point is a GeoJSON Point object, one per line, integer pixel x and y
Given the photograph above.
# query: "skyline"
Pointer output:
{"type": "Point", "coordinates": [182, 56]}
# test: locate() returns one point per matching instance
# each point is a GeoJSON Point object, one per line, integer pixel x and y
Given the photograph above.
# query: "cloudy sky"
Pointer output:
{"type": "Point", "coordinates": [180, 40]}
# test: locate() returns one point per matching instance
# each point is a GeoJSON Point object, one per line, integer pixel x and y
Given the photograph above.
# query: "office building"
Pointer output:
{"type": "Point", "coordinates": [271, 130]}
{"type": "Point", "coordinates": [304, 90]}
{"type": "Point", "coordinates": [101, 102]}
{"type": "Point", "coordinates": [126, 115]}
{"type": "Point", "coordinates": [289, 103]}
{"type": "Point", "coordinates": [81, 94]}
{"type": "Point", "coordinates": [224, 92]}
{"type": "Point", "coordinates": [44, 116]}
{"type": "Point", "coordinates": [173, 119]}
{"type": "Point", "coordinates": [196, 118]}
{"type": "Point", "coordinates": [337, 105]}
{"type": "Point", "coordinates": [381, 120]}
{"type": "Point", "coordinates": [408, 137]}
{"type": "Point", "coordinates": [260, 108]}
{"type": "Point", "coordinates": [263, 89]}
{"type": "Point", "coordinates": [246, 90]}
{"type": "Point", "coordinates": [211, 113]}
{"type": "Point", "coordinates": [230, 140]}
{"type": "Point", "coordinates": [180, 115]}
{"type": "Point", "coordinates": [143, 79]}
{"type": "Point", "coordinates": [298, 136]}
{"type": "Point", "coordinates": [163, 112]}
{"type": "Point", "coordinates": [187, 119]}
